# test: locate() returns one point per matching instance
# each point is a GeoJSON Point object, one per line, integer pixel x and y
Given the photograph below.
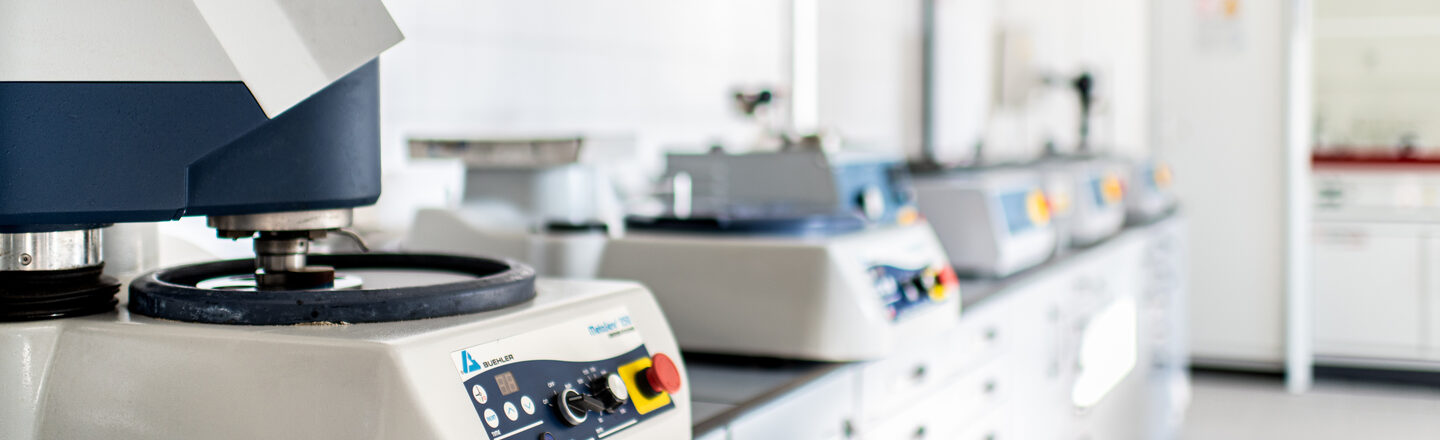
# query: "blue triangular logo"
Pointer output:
{"type": "Point", "coordinates": [469, 362]}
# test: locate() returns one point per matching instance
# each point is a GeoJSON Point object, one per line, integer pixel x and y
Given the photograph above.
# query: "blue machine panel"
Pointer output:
{"type": "Point", "coordinates": [1150, 171]}
{"type": "Point", "coordinates": [893, 179]}
{"type": "Point", "coordinates": [1015, 207]}
{"type": "Point", "coordinates": [902, 290]}
{"type": "Point", "coordinates": [1097, 191]}
{"type": "Point", "coordinates": [519, 399]}
{"type": "Point", "coordinates": [108, 152]}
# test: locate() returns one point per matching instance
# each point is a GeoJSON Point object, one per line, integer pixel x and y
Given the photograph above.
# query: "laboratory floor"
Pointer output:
{"type": "Point", "coordinates": [1232, 406]}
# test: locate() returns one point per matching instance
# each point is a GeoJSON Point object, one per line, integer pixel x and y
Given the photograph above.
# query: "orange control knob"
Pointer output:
{"type": "Point", "coordinates": [662, 376]}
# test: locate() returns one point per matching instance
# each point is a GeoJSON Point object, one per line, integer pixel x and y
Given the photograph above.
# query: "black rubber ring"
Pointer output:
{"type": "Point", "coordinates": [814, 225]}
{"type": "Point", "coordinates": [51, 294]}
{"type": "Point", "coordinates": [171, 293]}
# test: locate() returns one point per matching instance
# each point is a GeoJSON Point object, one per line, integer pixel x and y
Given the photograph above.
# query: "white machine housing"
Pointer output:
{"type": "Point", "coordinates": [811, 298]}
{"type": "Point", "coordinates": [284, 51]}
{"type": "Point", "coordinates": [124, 376]}
{"type": "Point", "coordinates": [992, 222]}
{"type": "Point", "coordinates": [473, 229]}
{"type": "Point", "coordinates": [1151, 194]}
{"type": "Point", "coordinates": [1088, 196]}
{"type": "Point", "coordinates": [538, 200]}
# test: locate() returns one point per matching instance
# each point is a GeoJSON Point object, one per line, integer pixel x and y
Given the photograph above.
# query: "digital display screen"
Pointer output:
{"type": "Point", "coordinates": [506, 382]}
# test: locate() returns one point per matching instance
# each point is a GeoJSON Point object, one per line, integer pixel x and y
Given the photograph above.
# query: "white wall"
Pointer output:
{"type": "Point", "coordinates": [660, 72]}
{"type": "Point", "coordinates": [663, 70]}
{"type": "Point", "coordinates": [1063, 37]}
{"type": "Point", "coordinates": [1375, 70]}
{"type": "Point", "coordinates": [869, 71]}
{"type": "Point", "coordinates": [1220, 102]}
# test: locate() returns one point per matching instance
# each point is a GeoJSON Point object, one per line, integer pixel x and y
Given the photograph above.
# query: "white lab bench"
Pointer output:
{"type": "Point", "coordinates": [1376, 256]}
{"type": "Point", "coordinates": [1027, 348]}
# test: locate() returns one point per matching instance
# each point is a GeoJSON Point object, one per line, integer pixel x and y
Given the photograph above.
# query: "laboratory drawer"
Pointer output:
{"type": "Point", "coordinates": [941, 412]}
{"type": "Point", "coordinates": [911, 424]}
{"type": "Point", "coordinates": [978, 392]}
{"type": "Point", "coordinates": [980, 337]}
{"type": "Point", "coordinates": [992, 426]}
{"type": "Point", "coordinates": [886, 385]}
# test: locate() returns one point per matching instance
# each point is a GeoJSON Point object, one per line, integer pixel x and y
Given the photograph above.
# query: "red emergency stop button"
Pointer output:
{"type": "Point", "coordinates": [662, 376]}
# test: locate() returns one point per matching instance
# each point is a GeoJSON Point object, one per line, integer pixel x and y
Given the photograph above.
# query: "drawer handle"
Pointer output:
{"type": "Point", "coordinates": [919, 433]}
{"type": "Point", "coordinates": [990, 387]}
{"type": "Point", "coordinates": [919, 373]}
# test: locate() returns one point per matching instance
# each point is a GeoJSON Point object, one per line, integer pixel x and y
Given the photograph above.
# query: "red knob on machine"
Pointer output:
{"type": "Point", "coordinates": [662, 376]}
{"type": "Point", "coordinates": [947, 276]}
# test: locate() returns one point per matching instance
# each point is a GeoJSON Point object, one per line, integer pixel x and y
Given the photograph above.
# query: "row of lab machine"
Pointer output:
{"type": "Point", "coordinates": [111, 119]}
{"type": "Point", "coordinates": [797, 255]}
{"type": "Point", "coordinates": [794, 255]}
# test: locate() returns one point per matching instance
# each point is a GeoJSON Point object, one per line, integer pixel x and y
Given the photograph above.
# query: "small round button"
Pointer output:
{"type": "Point", "coordinates": [872, 203]}
{"type": "Point", "coordinates": [510, 411]}
{"type": "Point", "coordinates": [492, 419]}
{"type": "Point", "coordinates": [663, 376]}
{"type": "Point", "coordinates": [527, 404]}
{"type": "Point", "coordinates": [479, 393]}
{"type": "Point", "coordinates": [547, 436]}
{"type": "Point", "coordinates": [612, 390]}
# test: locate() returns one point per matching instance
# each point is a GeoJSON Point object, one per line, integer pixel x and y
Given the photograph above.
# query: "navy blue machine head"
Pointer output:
{"type": "Point", "coordinates": [97, 152]}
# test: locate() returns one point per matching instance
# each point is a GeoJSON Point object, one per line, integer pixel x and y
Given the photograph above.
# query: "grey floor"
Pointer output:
{"type": "Point", "coordinates": [1240, 407]}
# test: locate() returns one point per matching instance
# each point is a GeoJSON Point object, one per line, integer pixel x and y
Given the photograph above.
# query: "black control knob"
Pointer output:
{"type": "Point", "coordinates": [871, 201]}
{"type": "Point", "coordinates": [923, 281]}
{"type": "Point", "coordinates": [575, 407]}
{"type": "Point", "coordinates": [612, 390]}
{"type": "Point", "coordinates": [584, 403]}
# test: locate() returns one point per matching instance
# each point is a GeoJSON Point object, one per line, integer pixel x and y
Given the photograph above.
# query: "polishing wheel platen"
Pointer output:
{"type": "Point", "coordinates": [397, 287]}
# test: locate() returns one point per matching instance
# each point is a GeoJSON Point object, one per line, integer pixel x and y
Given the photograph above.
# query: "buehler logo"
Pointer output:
{"type": "Point", "coordinates": [467, 363]}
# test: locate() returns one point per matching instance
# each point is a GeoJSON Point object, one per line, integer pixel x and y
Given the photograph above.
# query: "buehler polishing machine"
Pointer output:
{"type": "Point", "coordinates": [797, 254]}
{"type": "Point", "coordinates": [993, 222]}
{"type": "Point", "coordinates": [264, 116]}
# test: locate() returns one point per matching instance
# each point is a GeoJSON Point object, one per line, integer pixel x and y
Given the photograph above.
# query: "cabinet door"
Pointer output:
{"type": "Point", "coordinates": [1367, 291]}
{"type": "Point", "coordinates": [1431, 277]}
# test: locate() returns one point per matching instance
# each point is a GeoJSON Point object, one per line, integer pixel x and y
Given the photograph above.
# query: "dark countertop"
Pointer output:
{"type": "Point", "coordinates": [723, 391]}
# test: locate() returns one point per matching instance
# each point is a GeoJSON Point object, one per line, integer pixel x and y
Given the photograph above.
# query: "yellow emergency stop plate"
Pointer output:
{"type": "Point", "coordinates": [631, 373]}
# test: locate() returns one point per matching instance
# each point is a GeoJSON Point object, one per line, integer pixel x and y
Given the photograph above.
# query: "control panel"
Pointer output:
{"type": "Point", "coordinates": [1024, 209]}
{"type": "Point", "coordinates": [1158, 176]}
{"type": "Point", "coordinates": [1107, 189]}
{"type": "Point", "coordinates": [905, 290]}
{"type": "Point", "coordinates": [589, 378]}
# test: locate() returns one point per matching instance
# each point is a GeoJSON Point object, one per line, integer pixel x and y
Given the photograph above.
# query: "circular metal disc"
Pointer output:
{"type": "Point", "coordinates": [247, 282]}
{"type": "Point", "coordinates": [396, 287]}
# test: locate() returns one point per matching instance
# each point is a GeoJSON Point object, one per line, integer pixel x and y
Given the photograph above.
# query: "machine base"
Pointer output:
{"type": "Point", "coordinates": [124, 376]}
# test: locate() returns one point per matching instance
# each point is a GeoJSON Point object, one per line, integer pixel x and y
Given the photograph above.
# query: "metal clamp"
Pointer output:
{"type": "Point", "coordinates": [245, 225]}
